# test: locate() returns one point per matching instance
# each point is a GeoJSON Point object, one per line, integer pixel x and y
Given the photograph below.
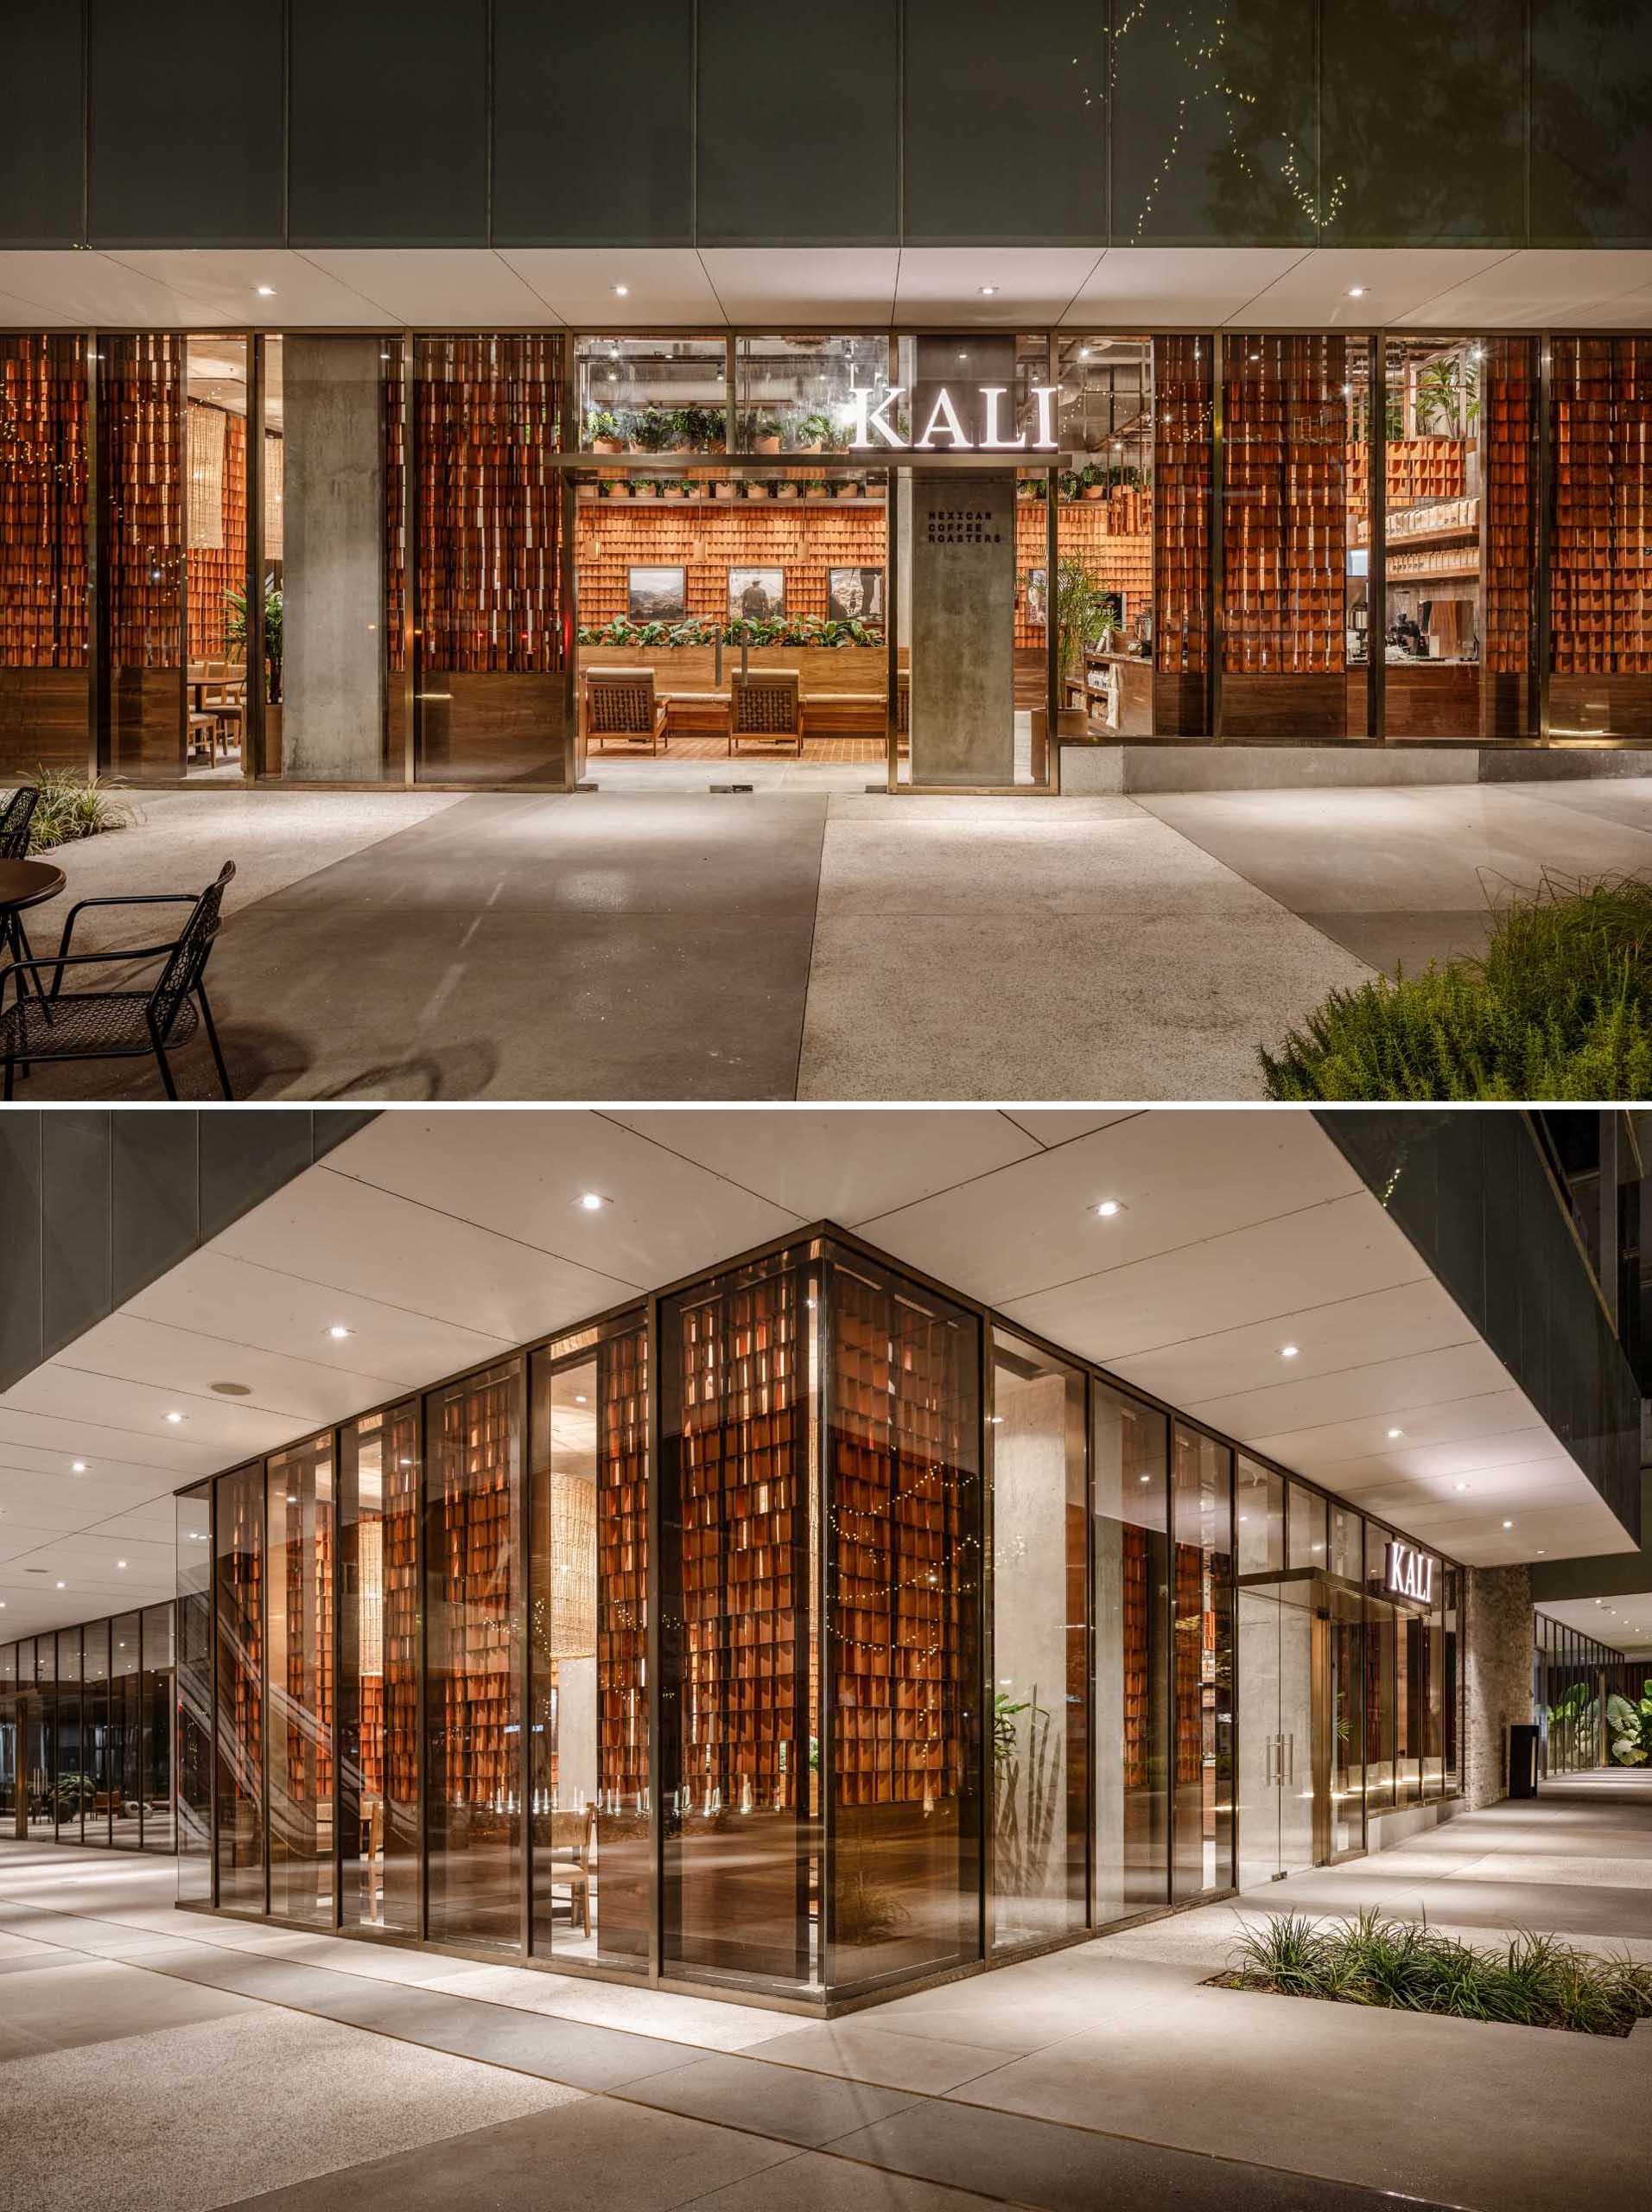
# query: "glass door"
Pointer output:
{"type": "Point", "coordinates": [1283, 1656]}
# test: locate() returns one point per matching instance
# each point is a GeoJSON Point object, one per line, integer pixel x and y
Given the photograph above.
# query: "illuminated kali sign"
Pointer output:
{"type": "Point", "coordinates": [1408, 1573]}
{"type": "Point", "coordinates": [870, 427]}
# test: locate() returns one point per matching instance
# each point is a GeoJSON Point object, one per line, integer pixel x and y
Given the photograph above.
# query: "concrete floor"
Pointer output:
{"type": "Point", "coordinates": [163, 2062]}
{"type": "Point", "coordinates": [645, 943]}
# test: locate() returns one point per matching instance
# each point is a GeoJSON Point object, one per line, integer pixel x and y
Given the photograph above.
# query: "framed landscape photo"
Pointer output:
{"type": "Point", "coordinates": [854, 595]}
{"type": "Point", "coordinates": [656, 594]}
{"type": "Point", "coordinates": [756, 595]}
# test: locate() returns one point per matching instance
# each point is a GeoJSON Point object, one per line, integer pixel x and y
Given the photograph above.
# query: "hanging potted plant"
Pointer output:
{"type": "Point", "coordinates": [766, 435]}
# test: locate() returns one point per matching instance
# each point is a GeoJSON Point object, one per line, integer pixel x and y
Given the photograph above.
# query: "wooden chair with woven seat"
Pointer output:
{"type": "Point", "coordinates": [765, 714]}
{"type": "Point", "coordinates": [52, 1024]}
{"type": "Point", "coordinates": [569, 1863]}
{"type": "Point", "coordinates": [621, 710]}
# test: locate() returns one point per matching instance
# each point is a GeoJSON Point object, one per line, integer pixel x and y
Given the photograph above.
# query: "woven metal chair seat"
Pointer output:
{"type": "Point", "coordinates": [90, 1023]}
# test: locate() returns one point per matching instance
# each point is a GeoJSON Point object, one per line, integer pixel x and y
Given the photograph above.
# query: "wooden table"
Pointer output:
{"type": "Point", "coordinates": [24, 883]}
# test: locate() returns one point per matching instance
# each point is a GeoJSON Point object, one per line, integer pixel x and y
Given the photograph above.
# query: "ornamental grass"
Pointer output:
{"type": "Point", "coordinates": [1558, 1006]}
{"type": "Point", "coordinates": [1534, 1981]}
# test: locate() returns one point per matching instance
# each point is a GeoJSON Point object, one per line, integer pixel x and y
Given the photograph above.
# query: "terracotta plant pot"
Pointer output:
{"type": "Point", "coordinates": [765, 445]}
{"type": "Point", "coordinates": [607, 445]}
{"type": "Point", "coordinates": [813, 449]}
{"type": "Point", "coordinates": [724, 490]}
{"type": "Point", "coordinates": [785, 491]}
{"type": "Point", "coordinates": [1095, 490]}
{"type": "Point", "coordinates": [619, 491]}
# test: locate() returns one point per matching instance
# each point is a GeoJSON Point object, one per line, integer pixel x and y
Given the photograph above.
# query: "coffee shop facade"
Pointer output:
{"type": "Point", "coordinates": [467, 558]}
{"type": "Point", "coordinates": [805, 1631]}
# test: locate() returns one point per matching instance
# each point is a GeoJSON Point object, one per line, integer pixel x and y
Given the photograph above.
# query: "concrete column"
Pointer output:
{"type": "Point", "coordinates": [961, 558]}
{"type": "Point", "coordinates": [333, 576]}
{"type": "Point", "coordinates": [1498, 1676]}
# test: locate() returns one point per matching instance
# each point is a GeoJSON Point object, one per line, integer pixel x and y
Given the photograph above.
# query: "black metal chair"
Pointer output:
{"type": "Point", "coordinates": [51, 1024]}
{"type": "Point", "coordinates": [15, 817]}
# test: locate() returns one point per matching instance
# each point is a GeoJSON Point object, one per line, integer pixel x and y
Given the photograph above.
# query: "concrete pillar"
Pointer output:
{"type": "Point", "coordinates": [333, 576]}
{"type": "Point", "coordinates": [1498, 1676]}
{"type": "Point", "coordinates": [961, 558]}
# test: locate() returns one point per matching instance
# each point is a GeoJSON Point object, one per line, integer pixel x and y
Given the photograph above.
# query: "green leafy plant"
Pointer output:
{"type": "Point", "coordinates": [1629, 1727]}
{"type": "Point", "coordinates": [701, 429]}
{"type": "Point", "coordinates": [1083, 612]}
{"type": "Point", "coordinates": [767, 427]}
{"type": "Point", "coordinates": [1446, 404]}
{"type": "Point", "coordinates": [235, 632]}
{"type": "Point", "coordinates": [71, 807]}
{"type": "Point", "coordinates": [73, 1794]}
{"type": "Point", "coordinates": [655, 429]}
{"type": "Point", "coordinates": [1558, 1006]}
{"type": "Point", "coordinates": [1535, 1980]}
{"type": "Point", "coordinates": [603, 427]}
{"type": "Point", "coordinates": [815, 429]}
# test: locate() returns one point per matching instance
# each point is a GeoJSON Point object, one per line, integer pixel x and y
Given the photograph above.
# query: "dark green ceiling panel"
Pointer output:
{"type": "Point", "coordinates": [798, 124]}
{"type": "Point", "coordinates": [1213, 124]}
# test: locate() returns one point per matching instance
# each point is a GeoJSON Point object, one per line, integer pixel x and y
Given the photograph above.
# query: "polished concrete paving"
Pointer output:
{"type": "Point", "coordinates": [646, 943]}
{"type": "Point", "coordinates": [155, 2059]}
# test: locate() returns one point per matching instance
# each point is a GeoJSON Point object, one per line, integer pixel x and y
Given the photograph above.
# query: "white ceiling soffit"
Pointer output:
{"type": "Point", "coordinates": [1126, 288]}
{"type": "Point", "coordinates": [441, 1240]}
{"type": "Point", "coordinates": [1623, 1621]}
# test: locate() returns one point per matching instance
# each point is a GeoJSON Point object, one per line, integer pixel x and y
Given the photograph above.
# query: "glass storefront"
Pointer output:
{"type": "Point", "coordinates": [476, 558]}
{"type": "Point", "coordinates": [805, 1630]}
{"type": "Point", "coordinates": [87, 1734]}
{"type": "Point", "coordinates": [1573, 1677]}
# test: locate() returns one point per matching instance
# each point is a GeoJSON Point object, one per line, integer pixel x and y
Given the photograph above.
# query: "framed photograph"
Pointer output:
{"type": "Point", "coordinates": [656, 594]}
{"type": "Point", "coordinates": [1037, 596]}
{"type": "Point", "coordinates": [854, 595]}
{"type": "Point", "coordinates": [756, 595]}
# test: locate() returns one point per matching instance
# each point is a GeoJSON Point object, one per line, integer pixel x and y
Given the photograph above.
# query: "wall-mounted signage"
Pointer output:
{"type": "Point", "coordinates": [943, 431]}
{"type": "Point", "coordinates": [1408, 1573]}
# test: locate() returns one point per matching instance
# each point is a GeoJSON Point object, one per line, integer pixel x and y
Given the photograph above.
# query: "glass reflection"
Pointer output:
{"type": "Point", "coordinates": [1040, 1658]}
{"type": "Point", "coordinates": [98, 1791]}
{"type": "Point", "coordinates": [72, 1784]}
{"type": "Point", "coordinates": [300, 1554]}
{"type": "Point", "coordinates": [239, 1576]}
{"type": "Point", "coordinates": [588, 1707]}
{"type": "Point", "coordinates": [379, 1671]}
{"type": "Point", "coordinates": [473, 1580]}
{"type": "Point", "coordinates": [1201, 1526]}
{"type": "Point", "coordinates": [1129, 1449]}
{"type": "Point", "coordinates": [126, 1731]}
{"type": "Point", "coordinates": [8, 1739]}
{"type": "Point", "coordinates": [159, 1666]}
{"type": "Point", "coordinates": [194, 1553]}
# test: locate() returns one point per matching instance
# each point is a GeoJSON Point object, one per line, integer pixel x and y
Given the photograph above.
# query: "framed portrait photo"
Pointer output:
{"type": "Point", "coordinates": [756, 595]}
{"type": "Point", "coordinates": [854, 595]}
{"type": "Point", "coordinates": [656, 594]}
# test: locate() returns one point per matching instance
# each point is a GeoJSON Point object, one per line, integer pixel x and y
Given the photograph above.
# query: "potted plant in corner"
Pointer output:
{"type": "Point", "coordinates": [604, 432]}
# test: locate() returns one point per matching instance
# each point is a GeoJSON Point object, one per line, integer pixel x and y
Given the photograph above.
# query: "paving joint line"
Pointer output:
{"type": "Point", "coordinates": [617, 2092]}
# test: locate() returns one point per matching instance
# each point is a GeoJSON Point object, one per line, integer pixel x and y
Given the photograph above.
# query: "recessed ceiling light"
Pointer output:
{"type": "Point", "coordinates": [1288, 1352]}
{"type": "Point", "coordinates": [1108, 1207]}
{"type": "Point", "coordinates": [622, 291]}
{"type": "Point", "coordinates": [266, 292]}
{"type": "Point", "coordinates": [1393, 1432]}
{"type": "Point", "coordinates": [591, 1201]}
{"type": "Point", "coordinates": [339, 1330]}
{"type": "Point", "coordinates": [993, 1419]}
{"type": "Point", "coordinates": [62, 1585]}
{"type": "Point", "coordinates": [121, 1562]}
{"type": "Point", "coordinates": [579, 1397]}
{"type": "Point", "coordinates": [77, 1466]}
{"type": "Point", "coordinates": [174, 1419]}
{"type": "Point", "coordinates": [1459, 1486]}
{"type": "Point", "coordinates": [1357, 292]}
{"type": "Point", "coordinates": [1508, 1525]}
{"type": "Point", "coordinates": [988, 291]}
{"type": "Point", "coordinates": [1147, 1478]}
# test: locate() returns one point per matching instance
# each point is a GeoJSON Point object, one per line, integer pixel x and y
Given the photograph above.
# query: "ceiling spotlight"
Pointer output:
{"type": "Point", "coordinates": [1508, 1525]}
{"type": "Point", "coordinates": [62, 1585]}
{"type": "Point", "coordinates": [1459, 1486]}
{"type": "Point", "coordinates": [622, 291]}
{"type": "Point", "coordinates": [77, 1466]}
{"type": "Point", "coordinates": [1108, 1207]}
{"type": "Point", "coordinates": [1287, 1351]}
{"type": "Point", "coordinates": [339, 1330]}
{"type": "Point", "coordinates": [591, 1201]}
{"type": "Point", "coordinates": [266, 292]}
{"type": "Point", "coordinates": [1147, 1478]}
{"type": "Point", "coordinates": [1395, 1433]}
{"type": "Point", "coordinates": [988, 291]}
{"type": "Point", "coordinates": [120, 1562]}
{"type": "Point", "coordinates": [174, 1419]}
{"type": "Point", "coordinates": [1357, 292]}
{"type": "Point", "coordinates": [579, 1397]}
